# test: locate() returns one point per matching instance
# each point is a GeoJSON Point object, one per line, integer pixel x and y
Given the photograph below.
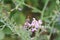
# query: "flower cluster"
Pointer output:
{"type": "Point", "coordinates": [34, 25]}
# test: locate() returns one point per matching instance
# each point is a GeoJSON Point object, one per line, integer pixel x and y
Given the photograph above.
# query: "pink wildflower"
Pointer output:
{"type": "Point", "coordinates": [35, 23]}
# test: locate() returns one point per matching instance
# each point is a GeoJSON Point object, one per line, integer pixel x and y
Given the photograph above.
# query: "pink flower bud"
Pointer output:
{"type": "Point", "coordinates": [33, 22]}
{"type": "Point", "coordinates": [33, 29]}
{"type": "Point", "coordinates": [27, 24]}
{"type": "Point", "coordinates": [40, 22]}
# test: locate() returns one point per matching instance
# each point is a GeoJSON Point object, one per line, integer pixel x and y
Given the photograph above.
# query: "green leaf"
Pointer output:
{"type": "Point", "coordinates": [7, 30]}
{"type": "Point", "coordinates": [34, 10]}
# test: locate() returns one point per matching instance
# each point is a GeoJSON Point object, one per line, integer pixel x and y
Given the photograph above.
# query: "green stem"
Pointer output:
{"type": "Point", "coordinates": [32, 7]}
{"type": "Point", "coordinates": [54, 21]}
{"type": "Point", "coordinates": [42, 14]}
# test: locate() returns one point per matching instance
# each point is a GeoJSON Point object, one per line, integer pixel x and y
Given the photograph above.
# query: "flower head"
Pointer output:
{"type": "Point", "coordinates": [35, 23]}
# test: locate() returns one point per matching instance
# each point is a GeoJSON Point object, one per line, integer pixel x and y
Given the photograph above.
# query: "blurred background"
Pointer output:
{"type": "Point", "coordinates": [15, 15]}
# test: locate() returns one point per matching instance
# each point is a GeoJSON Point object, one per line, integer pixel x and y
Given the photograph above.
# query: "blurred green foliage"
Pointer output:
{"type": "Point", "coordinates": [18, 16]}
{"type": "Point", "coordinates": [13, 14]}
